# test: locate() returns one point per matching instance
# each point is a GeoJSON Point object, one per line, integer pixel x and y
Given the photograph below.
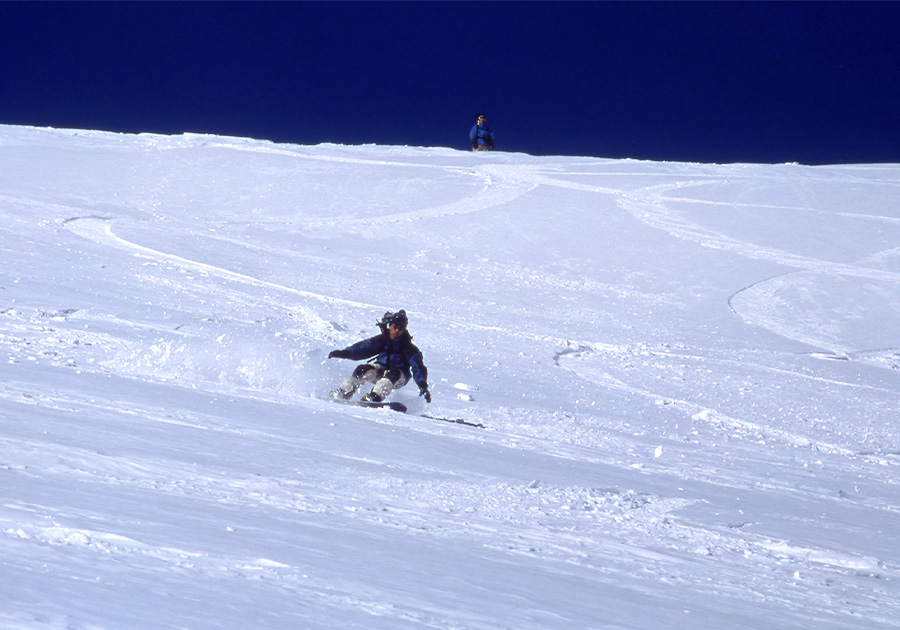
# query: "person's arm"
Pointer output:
{"type": "Point", "coordinates": [364, 349]}
{"type": "Point", "coordinates": [420, 374]}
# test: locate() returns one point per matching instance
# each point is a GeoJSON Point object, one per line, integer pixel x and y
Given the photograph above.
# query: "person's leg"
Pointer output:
{"type": "Point", "coordinates": [391, 379]}
{"type": "Point", "coordinates": [362, 374]}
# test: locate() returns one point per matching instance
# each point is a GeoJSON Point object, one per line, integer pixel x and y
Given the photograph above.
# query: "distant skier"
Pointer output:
{"type": "Point", "coordinates": [397, 359]}
{"type": "Point", "coordinates": [481, 137]}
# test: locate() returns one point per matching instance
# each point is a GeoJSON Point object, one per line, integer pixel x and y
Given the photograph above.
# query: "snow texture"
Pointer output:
{"type": "Point", "coordinates": [687, 376]}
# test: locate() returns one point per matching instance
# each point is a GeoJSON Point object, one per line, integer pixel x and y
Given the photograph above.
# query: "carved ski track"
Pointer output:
{"type": "Point", "coordinates": [699, 411]}
{"type": "Point", "coordinates": [500, 185]}
{"type": "Point", "coordinates": [652, 207]}
{"type": "Point", "coordinates": [100, 230]}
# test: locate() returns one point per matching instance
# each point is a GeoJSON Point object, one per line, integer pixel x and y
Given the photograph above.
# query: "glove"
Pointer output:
{"type": "Point", "coordinates": [338, 354]}
{"type": "Point", "coordinates": [423, 391]}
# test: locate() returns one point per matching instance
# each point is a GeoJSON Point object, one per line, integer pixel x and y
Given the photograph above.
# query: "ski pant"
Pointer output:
{"type": "Point", "coordinates": [385, 379]}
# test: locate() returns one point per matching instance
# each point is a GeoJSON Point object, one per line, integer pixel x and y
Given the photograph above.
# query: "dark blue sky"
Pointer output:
{"type": "Point", "coordinates": [715, 82]}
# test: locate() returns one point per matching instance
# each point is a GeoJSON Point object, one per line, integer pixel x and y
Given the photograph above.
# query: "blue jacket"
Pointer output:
{"type": "Point", "coordinates": [400, 353]}
{"type": "Point", "coordinates": [481, 136]}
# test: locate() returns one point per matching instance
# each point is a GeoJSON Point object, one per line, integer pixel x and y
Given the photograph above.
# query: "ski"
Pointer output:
{"type": "Point", "coordinates": [401, 408]}
{"type": "Point", "coordinates": [454, 421]}
{"type": "Point", "coordinates": [388, 404]}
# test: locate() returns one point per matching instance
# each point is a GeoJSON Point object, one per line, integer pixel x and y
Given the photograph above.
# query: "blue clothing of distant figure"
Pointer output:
{"type": "Point", "coordinates": [481, 137]}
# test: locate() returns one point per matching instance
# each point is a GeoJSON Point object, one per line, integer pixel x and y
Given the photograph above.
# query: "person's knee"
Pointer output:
{"type": "Point", "coordinates": [383, 387]}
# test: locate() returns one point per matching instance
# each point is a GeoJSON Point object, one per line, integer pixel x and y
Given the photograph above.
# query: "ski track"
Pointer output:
{"type": "Point", "coordinates": [597, 362]}
{"type": "Point", "coordinates": [655, 207]}
{"type": "Point", "coordinates": [501, 185]}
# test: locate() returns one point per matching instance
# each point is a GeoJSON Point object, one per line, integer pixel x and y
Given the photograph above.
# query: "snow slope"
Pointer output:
{"type": "Point", "coordinates": [687, 376]}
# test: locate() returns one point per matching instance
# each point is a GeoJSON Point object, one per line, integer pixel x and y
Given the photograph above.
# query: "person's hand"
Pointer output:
{"type": "Point", "coordinates": [423, 391]}
{"type": "Point", "coordinates": [338, 354]}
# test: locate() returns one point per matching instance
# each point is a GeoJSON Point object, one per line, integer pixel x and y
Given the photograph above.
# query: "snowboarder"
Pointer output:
{"type": "Point", "coordinates": [397, 359]}
{"type": "Point", "coordinates": [481, 137]}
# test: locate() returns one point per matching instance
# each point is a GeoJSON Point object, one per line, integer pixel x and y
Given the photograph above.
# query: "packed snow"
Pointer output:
{"type": "Point", "coordinates": [686, 377]}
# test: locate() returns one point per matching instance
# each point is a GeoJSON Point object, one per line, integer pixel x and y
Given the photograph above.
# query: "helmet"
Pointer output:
{"type": "Point", "coordinates": [399, 319]}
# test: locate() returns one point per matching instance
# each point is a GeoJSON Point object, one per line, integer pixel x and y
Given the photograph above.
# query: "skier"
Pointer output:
{"type": "Point", "coordinates": [397, 359]}
{"type": "Point", "coordinates": [481, 137]}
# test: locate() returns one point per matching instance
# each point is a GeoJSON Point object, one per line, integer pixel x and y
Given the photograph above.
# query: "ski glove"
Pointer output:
{"type": "Point", "coordinates": [423, 391]}
{"type": "Point", "coordinates": [338, 354]}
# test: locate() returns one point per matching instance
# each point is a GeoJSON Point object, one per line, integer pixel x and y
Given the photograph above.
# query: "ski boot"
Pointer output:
{"type": "Point", "coordinates": [340, 394]}
{"type": "Point", "coordinates": [372, 397]}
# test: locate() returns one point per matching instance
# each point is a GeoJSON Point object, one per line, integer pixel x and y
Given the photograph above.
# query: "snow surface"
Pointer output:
{"type": "Point", "coordinates": [687, 375]}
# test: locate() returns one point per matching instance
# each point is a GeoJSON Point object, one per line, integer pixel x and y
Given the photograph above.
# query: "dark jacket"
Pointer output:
{"type": "Point", "coordinates": [481, 136]}
{"type": "Point", "coordinates": [401, 353]}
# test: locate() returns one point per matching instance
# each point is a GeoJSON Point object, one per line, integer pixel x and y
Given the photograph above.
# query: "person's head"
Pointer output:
{"type": "Point", "coordinates": [395, 323]}
{"type": "Point", "coordinates": [481, 119]}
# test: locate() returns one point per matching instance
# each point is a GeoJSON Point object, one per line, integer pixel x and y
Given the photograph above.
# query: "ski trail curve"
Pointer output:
{"type": "Point", "coordinates": [501, 184]}
{"type": "Point", "coordinates": [100, 231]}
